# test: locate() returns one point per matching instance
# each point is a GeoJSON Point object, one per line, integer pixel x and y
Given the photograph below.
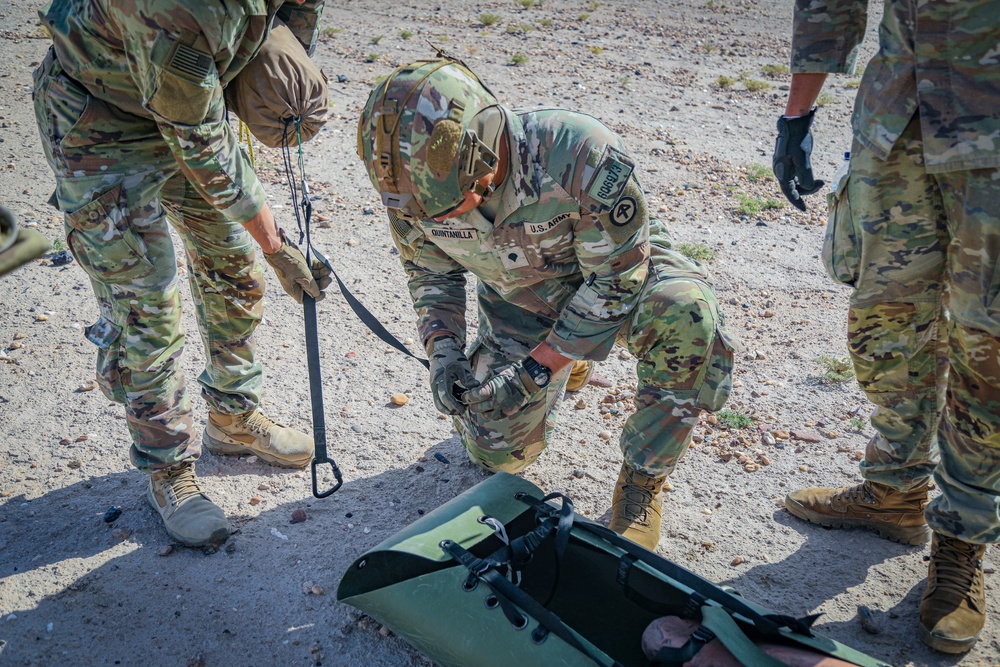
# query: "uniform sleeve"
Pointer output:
{"type": "Point", "coordinates": [827, 35]}
{"type": "Point", "coordinates": [612, 248]}
{"type": "Point", "coordinates": [436, 282]}
{"type": "Point", "coordinates": [173, 52]}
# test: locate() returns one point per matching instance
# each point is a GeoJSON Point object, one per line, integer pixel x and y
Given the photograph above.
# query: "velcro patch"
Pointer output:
{"type": "Point", "coordinates": [627, 215]}
{"type": "Point", "coordinates": [610, 177]}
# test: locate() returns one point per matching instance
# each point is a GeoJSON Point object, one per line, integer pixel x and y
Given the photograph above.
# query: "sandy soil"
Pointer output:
{"type": "Point", "coordinates": [75, 590]}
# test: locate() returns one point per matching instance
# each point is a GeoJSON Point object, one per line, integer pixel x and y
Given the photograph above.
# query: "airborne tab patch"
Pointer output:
{"type": "Point", "coordinates": [610, 177]}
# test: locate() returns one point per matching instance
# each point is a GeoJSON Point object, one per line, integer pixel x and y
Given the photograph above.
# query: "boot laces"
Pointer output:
{"type": "Point", "coordinates": [957, 567]}
{"type": "Point", "coordinates": [257, 422]}
{"type": "Point", "coordinates": [182, 482]}
{"type": "Point", "coordinates": [857, 494]}
{"type": "Point", "coordinates": [638, 497]}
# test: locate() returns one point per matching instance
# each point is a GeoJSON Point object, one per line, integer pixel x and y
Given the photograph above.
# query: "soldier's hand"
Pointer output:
{"type": "Point", "coordinates": [297, 277]}
{"type": "Point", "coordinates": [792, 152]}
{"type": "Point", "coordinates": [451, 374]}
{"type": "Point", "coordinates": [503, 394]}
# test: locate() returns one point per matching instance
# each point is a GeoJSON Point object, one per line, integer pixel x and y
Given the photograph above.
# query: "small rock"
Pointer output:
{"type": "Point", "coordinates": [751, 467]}
{"type": "Point", "coordinates": [42, 318]}
{"type": "Point", "coordinates": [712, 419]}
{"type": "Point", "coordinates": [352, 242]}
{"type": "Point", "coordinates": [252, 459]}
{"type": "Point", "coordinates": [400, 399]}
{"type": "Point", "coordinates": [442, 458]}
{"type": "Point", "coordinates": [805, 436]}
{"type": "Point", "coordinates": [316, 589]}
{"type": "Point", "coordinates": [764, 461]}
{"type": "Point", "coordinates": [781, 434]}
{"type": "Point", "coordinates": [705, 510]}
{"type": "Point", "coordinates": [89, 385]}
{"type": "Point", "coordinates": [256, 500]}
{"type": "Point", "coordinates": [581, 405]}
{"type": "Point", "coordinates": [64, 441]}
{"type": "Point", "coordinates": [368, 211]}
{"type": "Point", "coordinates": [604, 435]}
{"type": "Point", "coordinates": [667, 486]}
{"type": "Point", "coordinates": [868, 620]}
{"type": "Point", "coordinates": [858, 455]}
{"type": "Point", "coordinates": [165, 550]}
{"type": "Point", "coordinates": [122, 534]}
{"type": "Point", "coordinates": [832, 435]}
{"type": "Point", "coordinates": [767, 439]}
{"type": "Point", "coordinates": [82, 438]}
{"type": "Point", "coordinates": [277, 533]}
{"type": "Point", "coordinates": [112, 514]}
{"type": "Point", "coordinates": [75, 464]}
{"type": "Point", "coordinates": [804, 468]}
{"type": "Point", "coordinates": [299, 516]}
{"type": "Point", "coordinates": [407, 341]}
{"type": "Point", "coordinates": [579, 473]}
{"type": "Point", "coordinates": [342, 78]}
{"type": "Point", "coordinates": [16, 345]}
{"type": "Point", "coordinates": [384, 631]}
{"type": "Point", "coordinates": [739, 560]}
{"type": "Point", "coordinates": [263, 487]}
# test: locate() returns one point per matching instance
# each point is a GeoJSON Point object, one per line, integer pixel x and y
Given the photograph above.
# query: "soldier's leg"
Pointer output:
{"type": "Point", "coordinates": [969, 435]}
{"type": "Point", "coordinates": [109, 169]}
{"type": "Point", "coordinates": [685, 362]}
{"type": "Point", "coordinates": [888, 240]}
{"type": "Point", "coordinates": [227, 285]}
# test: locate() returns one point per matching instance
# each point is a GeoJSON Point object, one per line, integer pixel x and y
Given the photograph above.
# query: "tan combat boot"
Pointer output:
{"type": "Point", "coordinates": [895, 515]}
{"type": "Point", "coordinates": [636, 507]}
{"type": "Point", "coordinates": [189, 516]}
{"type": "Point", "coordinates": [253, 433]}
{"type": "Point", "coordinates": [580, 375]}
{"type": "Point", "coordinates": [953, 610]}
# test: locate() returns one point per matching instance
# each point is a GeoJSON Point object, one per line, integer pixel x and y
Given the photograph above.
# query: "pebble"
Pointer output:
{"type": "Point", "coordinates": [581, 404]}
{"type": "Point", "coordinates": [356, 428]}
{"type": "Point", "coordinates": [712, 419]}
{"type": "Point", "coordinates": [781, 434]}
{"type": "Point", "coordinates": [316, 589]}
{"type": "Point", "coordinates": [442, 458]}
{"type": "Point", "coordinates": [767, 439]}
{"type": "Point", "coordinates": [277, 533]}
{"type": "Point", "coordinates": [82, 438]}
{"type": "Point", "coordinates": [751, 467]}
{"type": "Point", "coordinates": [384, 631]}
{"type": "Point", "coordinates": [263, 487]}
{"type": "Point", "coordinates": [42, 318]}
{"type": "Point", "coordinates": [407, 341]}
{"type": "Point", "coordinates": [165, 550]}
{"type": "Point", "coordinates": [579, 473]}
{"type": "Point", "coordinates": [112, 514]}
{"type": "Point", "coordinates": [16, 345]}
{"type": "Point", "coordinates": [705, 510]}
{"type": "Point", "coordinates": [400, 399]}
{"type": "Point", "coordinates": [805, 436]}
{"type": "Point", "coordinates": [604, 435]}
{"type": "Point", "coordinates": [352, 242]}
{"type": "Point", "coordinates": [739, 560]}
{"type": "Point", "coordinates": [89, 385]}
{"type": "Point", "coordinates": [252, 459]}
{"type": "Point", "coordinates": [624, 354]}
{"type": "Point", "coordinates": [299, 516]}
{"type": "Point", "coordinates": [868, 620]}
{"type": "Point", "coordinates": [764, 461]}
{"type": "Point", "coordinates": [804, 468]}
{"type": "Point", "coordinates": [256, 500]}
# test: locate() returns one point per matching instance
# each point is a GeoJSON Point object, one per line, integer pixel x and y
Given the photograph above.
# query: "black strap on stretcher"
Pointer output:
{"type": "Point", "coordinates": [302, 205]}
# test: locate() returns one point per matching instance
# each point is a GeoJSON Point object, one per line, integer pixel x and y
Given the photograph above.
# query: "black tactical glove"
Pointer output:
{"type": "Point", "coordinates": [792, 151]}
{"type": "Point", "coordinates": [503, 394]}
{"type": "Point", "coordinates": [451, 374]}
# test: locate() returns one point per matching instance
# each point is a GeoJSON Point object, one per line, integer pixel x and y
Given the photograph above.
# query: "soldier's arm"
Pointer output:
{"type": "Point", "coordinates": [827, 35]}
{"type": "Point", "coordinates": [302, 18]}
{"type": "Point", "coordinates": [436, 282]}
{"type": "Point", "coordinates": [612, 247]}
{"type": "Point", "coordinates": [172, 52]}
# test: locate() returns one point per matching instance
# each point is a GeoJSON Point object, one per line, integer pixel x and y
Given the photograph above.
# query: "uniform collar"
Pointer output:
{"type": "Point", "coordinates": [521, 185]}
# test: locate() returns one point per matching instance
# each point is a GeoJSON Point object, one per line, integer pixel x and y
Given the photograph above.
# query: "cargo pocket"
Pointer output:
{"type": "Point", "coordinates": [717, 383]}
{"type": "Point", "coordinates": [103, 242]}
{"type": "Point", "coordinates": [105, 334]}
{"type": "Point", "coordinates": [841, 247]}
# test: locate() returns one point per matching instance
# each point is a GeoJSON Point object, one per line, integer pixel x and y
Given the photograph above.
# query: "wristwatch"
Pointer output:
{"type": "Point", "coordinates": [540, 375]}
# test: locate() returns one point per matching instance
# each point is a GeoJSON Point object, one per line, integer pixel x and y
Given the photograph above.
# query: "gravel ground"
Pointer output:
{"type": "Point", "coordinates": [694, 88]}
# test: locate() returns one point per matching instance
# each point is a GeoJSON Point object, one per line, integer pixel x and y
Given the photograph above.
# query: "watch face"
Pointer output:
{"type": "Point", "coordinates": [542, 379]}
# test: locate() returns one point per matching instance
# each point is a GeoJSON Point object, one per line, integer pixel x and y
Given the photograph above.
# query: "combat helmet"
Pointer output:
{"type": "Point", "coordinates": [428, 133]}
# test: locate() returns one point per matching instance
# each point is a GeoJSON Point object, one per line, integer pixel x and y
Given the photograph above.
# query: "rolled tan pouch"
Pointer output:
{"type": "Point", "coordinates": [279, 84]}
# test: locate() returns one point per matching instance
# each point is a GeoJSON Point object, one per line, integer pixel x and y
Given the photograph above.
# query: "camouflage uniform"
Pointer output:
{"type": "Point", "coordinates": [130, 109]}
{"type": "Point", "coordinates": [571, 258]}
{"type": "Point", "coordinates": [917, 218]}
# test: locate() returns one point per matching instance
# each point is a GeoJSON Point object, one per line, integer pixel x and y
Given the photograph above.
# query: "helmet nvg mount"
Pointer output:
{"type": "Point", "coordinates": [429, 132]}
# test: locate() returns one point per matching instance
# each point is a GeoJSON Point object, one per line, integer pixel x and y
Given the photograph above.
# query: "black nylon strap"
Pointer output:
{"type": "Point", "coordinates": [675, 657]}
{"type": "Point", "coordinates": [703, 587]}
{"type": "Point", "coordinates": [503, 588]}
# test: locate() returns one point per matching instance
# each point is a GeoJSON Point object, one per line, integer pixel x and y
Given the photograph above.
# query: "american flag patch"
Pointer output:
{"type": "Point", "coordinates": [189, 61]}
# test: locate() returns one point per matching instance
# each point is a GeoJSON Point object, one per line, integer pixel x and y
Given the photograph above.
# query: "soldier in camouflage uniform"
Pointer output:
{"type": "Point", "coordinates": [129, 104]}
{"type": "Point", "coordinates": [915, 218]}
{"type": "Point", "coordinates": [545, 210]}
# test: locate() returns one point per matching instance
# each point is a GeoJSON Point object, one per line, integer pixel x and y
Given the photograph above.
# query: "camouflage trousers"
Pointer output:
{"type": "Point", "coordinates": [922, 252]}
{"type": "Point", "coordinates": [685, 361]}
{"type": "Point", "coordinates": [118, 185]}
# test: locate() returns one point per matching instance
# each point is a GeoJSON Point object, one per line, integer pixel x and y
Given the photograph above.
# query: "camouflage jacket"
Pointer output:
{"type": "Point", "coordinates": [937, 56]}
{"type": "Point", "coordinates": [569, 244]}
{"type": "Point", "coordinates": [168, 60]}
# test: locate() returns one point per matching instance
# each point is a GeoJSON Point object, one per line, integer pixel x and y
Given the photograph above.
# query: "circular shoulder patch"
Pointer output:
{"type": "Point", "coordinates": [624, 211]}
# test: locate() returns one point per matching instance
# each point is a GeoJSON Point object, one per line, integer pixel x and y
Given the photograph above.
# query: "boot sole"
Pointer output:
{"type": "Point", "coordinates": [912, 535]}
{"type": "Point", "coordinates": [946, 645]}
{"type": "Point", "coordinates": [217, 537]}
{"type": "Point", "coordinates": [220, 448]}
